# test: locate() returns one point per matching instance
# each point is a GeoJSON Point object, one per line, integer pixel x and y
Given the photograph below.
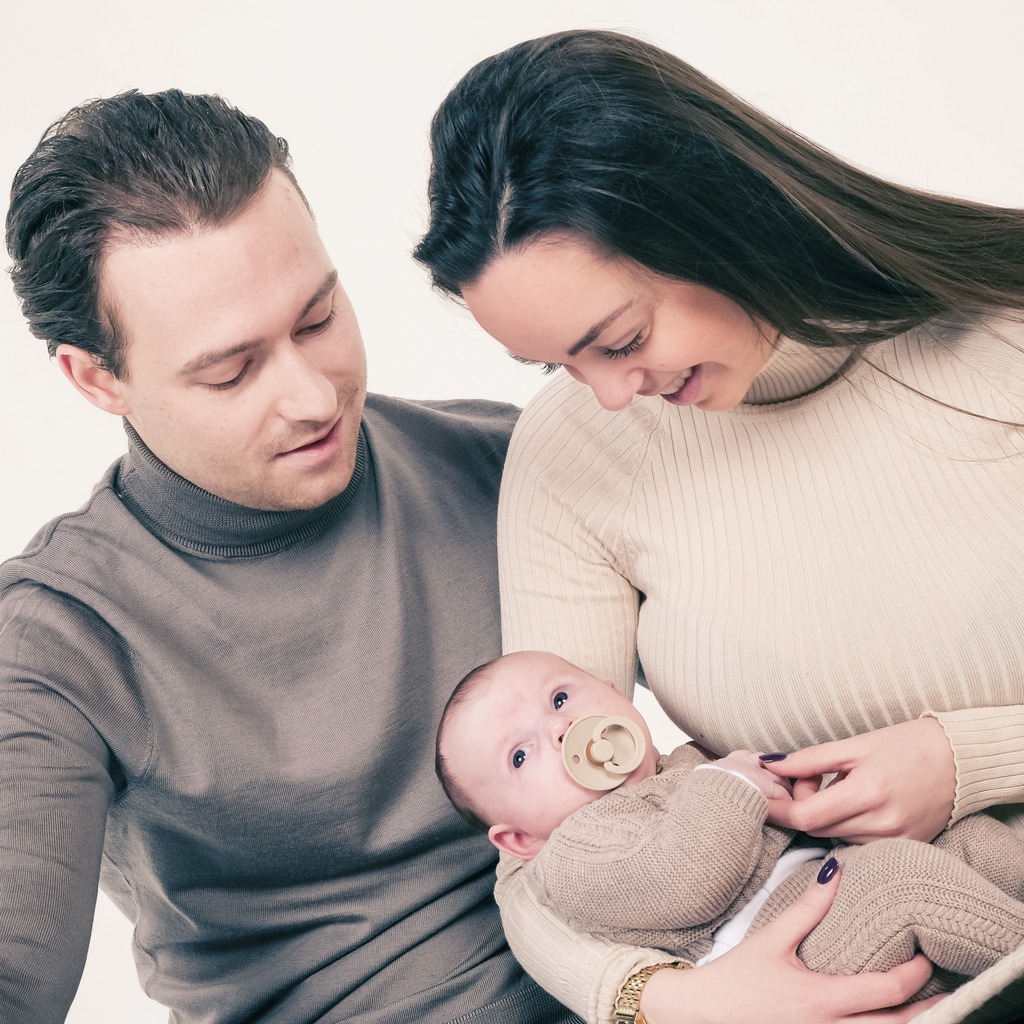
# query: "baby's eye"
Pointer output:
{"type": "Point", "coordinates": [559, 699]}
{"type": "Point", "coordinates": [518, 758]}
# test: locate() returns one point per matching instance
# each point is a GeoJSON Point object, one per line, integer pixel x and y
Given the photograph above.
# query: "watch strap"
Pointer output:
{"type": "Point", "coordinates": [627, 1002]}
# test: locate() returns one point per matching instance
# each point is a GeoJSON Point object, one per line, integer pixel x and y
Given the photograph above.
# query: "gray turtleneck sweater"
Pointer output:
{"type": "Point", "coordinates": [226, 717]}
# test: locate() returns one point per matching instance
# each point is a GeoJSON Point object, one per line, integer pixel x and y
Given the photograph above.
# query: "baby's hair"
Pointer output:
{"type": "Point", "coordinates": [452, 789]}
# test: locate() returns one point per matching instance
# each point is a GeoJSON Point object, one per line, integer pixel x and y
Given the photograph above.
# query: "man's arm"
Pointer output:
{"type": "Point", "coordinates": [56, 789]}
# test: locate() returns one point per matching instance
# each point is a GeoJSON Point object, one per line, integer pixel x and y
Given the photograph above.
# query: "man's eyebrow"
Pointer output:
{"type": "Point", "coordinates": [330, 283]}
{"type": "Point", "coordinates": [207, 359]}
{"type": "Point", "coordinates": [595, 332]}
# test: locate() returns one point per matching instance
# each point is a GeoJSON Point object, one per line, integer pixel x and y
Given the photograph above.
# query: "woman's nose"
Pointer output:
{"type": "Point", "coordinates": [613, 387]}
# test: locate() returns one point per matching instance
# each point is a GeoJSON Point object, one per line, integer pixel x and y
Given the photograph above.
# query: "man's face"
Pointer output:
{"type": "Point", "coordinates": [244, 367]}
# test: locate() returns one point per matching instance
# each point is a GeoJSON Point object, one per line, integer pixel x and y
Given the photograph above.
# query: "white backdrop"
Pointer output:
{"type": "Point", "coordinates": [924, 91]}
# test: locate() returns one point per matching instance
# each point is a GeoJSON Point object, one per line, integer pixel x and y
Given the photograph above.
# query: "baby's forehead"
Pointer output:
{"type": "Point", "coordinates": [530, 666]}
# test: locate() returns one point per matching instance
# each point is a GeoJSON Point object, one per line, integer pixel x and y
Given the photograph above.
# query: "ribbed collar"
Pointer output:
{"type": "Point", "coordinates": [199, 523]}
{"type": "Point", "coordinates": [795, 370]}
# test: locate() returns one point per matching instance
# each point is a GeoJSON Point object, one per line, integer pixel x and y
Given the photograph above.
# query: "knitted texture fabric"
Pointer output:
{"type": "Point", "coordinates": [898, 897]}
{"type": "Point", "coordinates": [663, 862]}
{"type": "Point", "coordinates": [227, 717]}
{"type": "Point", "coordinates": [826, 559]}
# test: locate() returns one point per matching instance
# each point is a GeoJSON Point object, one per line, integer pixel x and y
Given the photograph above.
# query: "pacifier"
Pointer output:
{"type": "Point", "coordinates": [600, 751]}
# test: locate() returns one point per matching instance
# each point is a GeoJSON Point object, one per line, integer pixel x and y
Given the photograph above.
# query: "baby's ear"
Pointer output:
{"type": "Point", "coordinates": [515, 841]}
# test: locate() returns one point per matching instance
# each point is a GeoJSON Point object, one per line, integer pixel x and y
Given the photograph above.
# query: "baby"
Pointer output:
{"type": "Point", "coordinates": [675, 852]}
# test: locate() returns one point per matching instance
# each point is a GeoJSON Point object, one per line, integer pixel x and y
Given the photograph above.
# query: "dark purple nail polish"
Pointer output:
{"type": "Point", "coordinates": [768, 758]}
{"type": "Point", "coordinates": [828, 869]}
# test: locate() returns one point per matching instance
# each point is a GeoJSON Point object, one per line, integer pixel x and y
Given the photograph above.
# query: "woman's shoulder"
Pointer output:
{"type": "Point", "coordinates": [564, 422]}
{"type": "Point", "coordinates": [976, 366]}
{"type": "Point", "coordinates": [564, 402]}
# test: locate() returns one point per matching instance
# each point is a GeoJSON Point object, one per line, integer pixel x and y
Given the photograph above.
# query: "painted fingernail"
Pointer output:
{"type": "Point", "coordinates": [828, 869]}
{"type": "Point", "coordinates": [768, 758]}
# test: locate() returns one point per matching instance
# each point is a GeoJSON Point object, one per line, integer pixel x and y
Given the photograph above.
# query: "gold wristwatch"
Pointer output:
{"type": "Point", "coordinates": [627, 1003]}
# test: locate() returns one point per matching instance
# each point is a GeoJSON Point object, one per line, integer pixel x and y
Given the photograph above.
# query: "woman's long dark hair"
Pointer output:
{"type": "Point", "coordinates": [634, 151]}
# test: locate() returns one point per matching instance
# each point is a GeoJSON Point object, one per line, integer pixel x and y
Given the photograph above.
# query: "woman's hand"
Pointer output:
{"type": "Point", "coordinates": [763, 980]}
{"type": "Point", "coordinates": [897, 781]}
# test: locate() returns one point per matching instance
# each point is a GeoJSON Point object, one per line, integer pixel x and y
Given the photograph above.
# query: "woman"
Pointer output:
{"type": "Point", "coordinates": [785, 467]}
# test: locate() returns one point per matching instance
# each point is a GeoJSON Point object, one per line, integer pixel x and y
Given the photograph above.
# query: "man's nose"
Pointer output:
{"type": "Point", "coordinates": [305, 392]}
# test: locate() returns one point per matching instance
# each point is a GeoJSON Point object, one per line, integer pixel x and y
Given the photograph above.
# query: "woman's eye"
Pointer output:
{"type": "Point", "coordinates": [627, 349]}
{"type": "Point", "coordinates": [559, 699]}
{"type": "Point", "coordinates": [518, 758]}
{"type": "Point", "coordinates": [545, 368]}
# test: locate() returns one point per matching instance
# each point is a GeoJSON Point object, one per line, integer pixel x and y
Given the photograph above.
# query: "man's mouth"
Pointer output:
{"type": "Point", "coordinates": [322, 439]}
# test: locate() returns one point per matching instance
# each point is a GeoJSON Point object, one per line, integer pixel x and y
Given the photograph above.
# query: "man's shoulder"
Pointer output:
{"type": "Point", "coordinates": [479, 415]}
{"type": "Point", "coordinates": [57, 540]}
{"type": "Point", "coordinates": [462, 427]}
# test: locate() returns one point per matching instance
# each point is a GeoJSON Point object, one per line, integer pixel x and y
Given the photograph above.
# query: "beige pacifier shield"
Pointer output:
{"type": "Point", "coordinates": [600, 751]}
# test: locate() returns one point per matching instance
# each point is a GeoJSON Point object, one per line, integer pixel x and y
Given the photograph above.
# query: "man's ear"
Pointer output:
{"type": "Point", "coordinates": [90, 379]}
{"type": "Point", "coordinates": [515, 841]}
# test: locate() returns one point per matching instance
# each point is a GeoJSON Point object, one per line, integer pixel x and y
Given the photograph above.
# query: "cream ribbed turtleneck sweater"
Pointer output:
{"type": "Point", "coordinates": [843, 551]}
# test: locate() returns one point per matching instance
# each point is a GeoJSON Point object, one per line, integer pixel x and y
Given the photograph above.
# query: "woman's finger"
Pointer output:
{"type": "Point", "coordinates": [823, 813]}
{"type": "Point", "coordinates": [889, 989]}
{"type": "Point", "coordinates": [806, 912]}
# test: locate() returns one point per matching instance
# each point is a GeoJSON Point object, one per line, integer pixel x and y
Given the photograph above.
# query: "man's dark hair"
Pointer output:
{"type": "Point", "coordinates": [113, 170]}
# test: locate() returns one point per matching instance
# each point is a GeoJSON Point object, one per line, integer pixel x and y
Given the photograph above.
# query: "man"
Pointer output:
{"type": "Point", "coordinates": [219, 679]}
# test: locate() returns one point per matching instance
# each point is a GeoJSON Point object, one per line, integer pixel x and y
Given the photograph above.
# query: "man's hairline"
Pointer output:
{"type": "Point", "coordinates": [123, 235]}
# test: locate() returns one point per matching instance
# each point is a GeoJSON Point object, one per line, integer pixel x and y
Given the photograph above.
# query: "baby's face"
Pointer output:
{"type": "Point", "coordinates": [504, 743]}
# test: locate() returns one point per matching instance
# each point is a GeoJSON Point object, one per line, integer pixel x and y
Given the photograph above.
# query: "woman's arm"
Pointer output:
{"type": "Point", "coordinates": [586, 972]}
{"type": "Point", "coordinates": [910, 779]}
{"type": "Point", "coordinates": [785, 990]}
{"type": "Point", "coordinates": [563, 564]}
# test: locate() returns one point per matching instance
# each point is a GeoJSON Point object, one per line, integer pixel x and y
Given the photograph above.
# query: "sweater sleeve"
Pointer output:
{"type": "Point", "coordinates": [58, 783]}
{"type": "Point", "coordinates": [673, 852]}
{"type": "Point", "coordinates": [988, 751]}
{"type": "Point", "coordinates": [582, 971]}
{"type": "Point", "coordinates": [562, 562]}
{"type": "Point", "coordinates": [564, 589]}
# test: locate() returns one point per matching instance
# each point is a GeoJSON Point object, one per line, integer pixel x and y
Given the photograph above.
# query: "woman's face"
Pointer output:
{"type": "Point", "coordinates": [619, 328]}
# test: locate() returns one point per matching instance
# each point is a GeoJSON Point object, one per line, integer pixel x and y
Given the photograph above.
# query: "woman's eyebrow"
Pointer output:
{"type": "Point", "coordinates": [595, 331]}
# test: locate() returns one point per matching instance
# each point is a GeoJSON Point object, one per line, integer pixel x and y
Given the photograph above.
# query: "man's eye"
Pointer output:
{"type": "Point", "coordinates": [518, 758]}
{"type": "Point", "coordinates": [319, 328]}
{"type": "Point", "coordinates": [226, 385]}
{"type": "Point", "coordinates": [559, 699]}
